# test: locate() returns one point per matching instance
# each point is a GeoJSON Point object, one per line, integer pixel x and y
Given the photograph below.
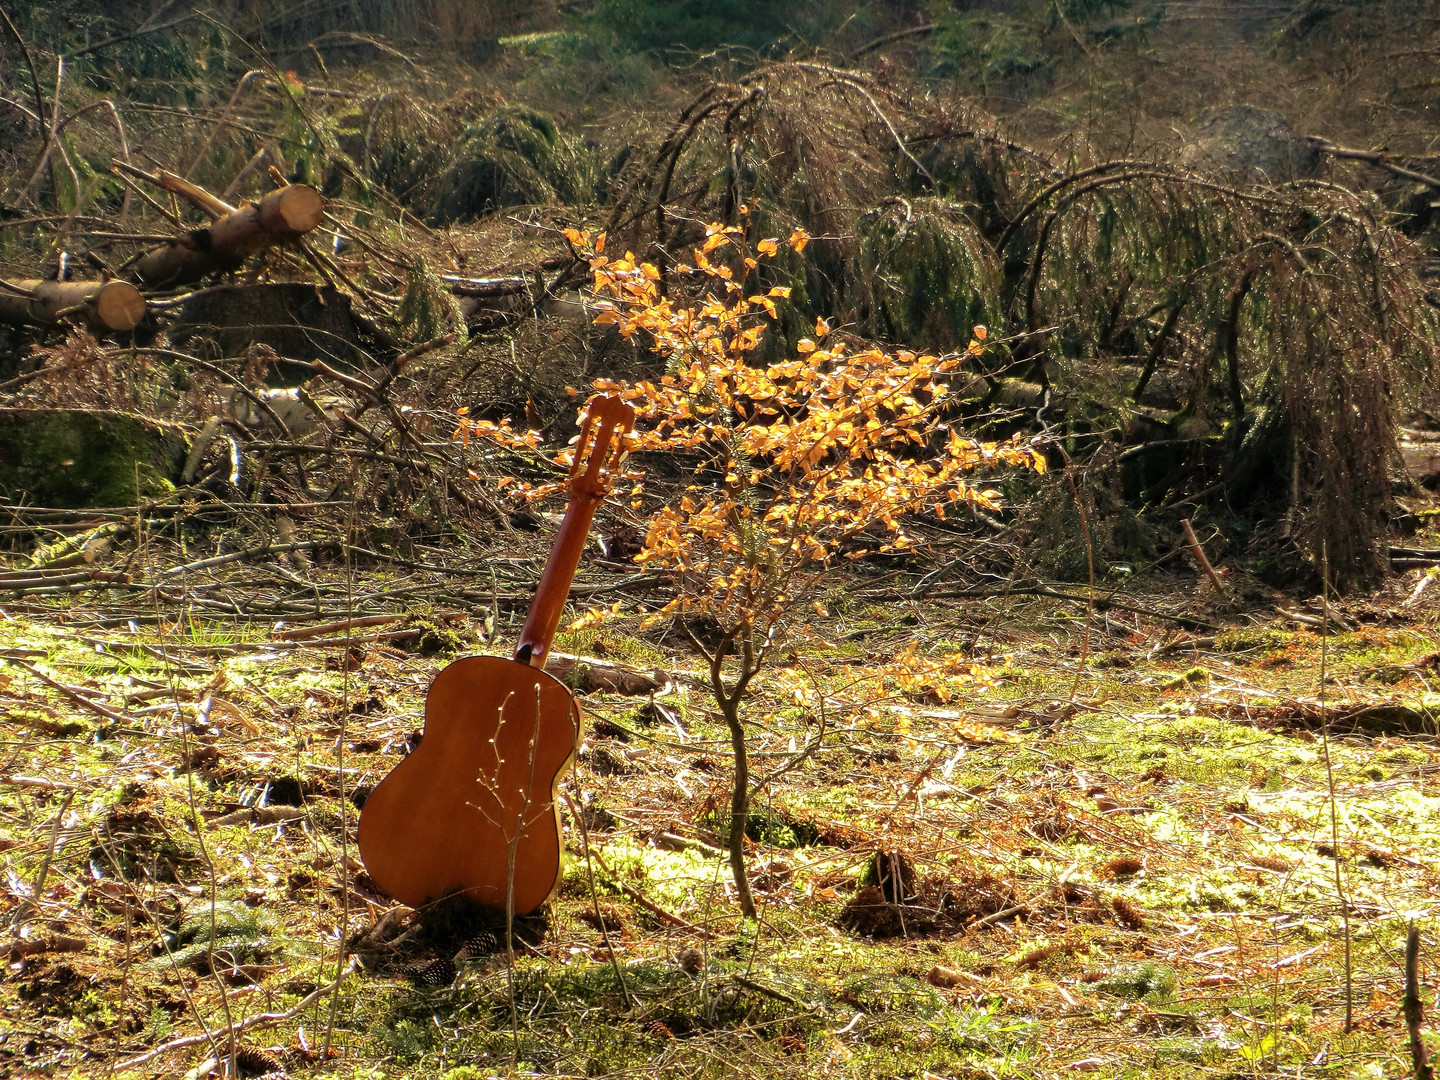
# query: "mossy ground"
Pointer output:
{"type": "Point", "coordinates": [1162, 828]}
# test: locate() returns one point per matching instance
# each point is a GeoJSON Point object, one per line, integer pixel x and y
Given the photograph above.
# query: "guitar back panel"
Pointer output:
{"type": "Point", "coordinates": [473, 807]}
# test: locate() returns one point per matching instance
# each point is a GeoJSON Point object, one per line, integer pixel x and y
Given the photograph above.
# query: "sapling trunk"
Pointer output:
{"type": "Point", "coordinates": [1415, 1007]}
{"type": "Point", "coordinates": [802, 456]}
{"type": "Point", "coordinates": [729, 702]}
{"type": "Point", "coordinates": [739, 808]}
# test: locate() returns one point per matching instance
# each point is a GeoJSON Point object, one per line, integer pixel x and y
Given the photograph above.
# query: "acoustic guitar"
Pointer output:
{"type": "Point", "coordinates": [472, 808]}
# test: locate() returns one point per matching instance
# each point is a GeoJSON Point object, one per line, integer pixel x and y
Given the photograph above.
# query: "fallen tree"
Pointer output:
{"type": "Point", "coordinates": [235, 233]}
{"type": "Point", "coordinates": [103, 306]}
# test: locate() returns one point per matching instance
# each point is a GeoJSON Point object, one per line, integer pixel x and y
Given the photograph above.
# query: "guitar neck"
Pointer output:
{"type": "Point", "coordinates": [598, 453]}
{"type": "Point", "coordinates": [538, 632]}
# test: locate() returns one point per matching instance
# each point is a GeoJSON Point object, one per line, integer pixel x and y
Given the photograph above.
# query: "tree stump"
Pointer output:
{"type": "Point", "coordinates": [299, 321]}
{"type": "Point", "coordinates": [77, 458]}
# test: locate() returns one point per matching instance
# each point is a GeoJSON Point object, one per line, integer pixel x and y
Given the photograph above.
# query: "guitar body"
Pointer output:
{"type": "Point", "coordinates": [473, 807]}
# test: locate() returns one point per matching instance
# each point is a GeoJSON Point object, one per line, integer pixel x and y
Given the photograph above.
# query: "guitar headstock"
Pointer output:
{"type": "Point", "coordinates": [601, 446]}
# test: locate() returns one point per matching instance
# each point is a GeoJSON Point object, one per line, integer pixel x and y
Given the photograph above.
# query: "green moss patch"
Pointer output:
{"type": "Point", "coordinates": [72, 457]}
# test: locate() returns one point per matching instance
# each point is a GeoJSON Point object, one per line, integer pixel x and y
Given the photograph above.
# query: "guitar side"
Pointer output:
{"type": "Point", "coordinates": [473, 807]}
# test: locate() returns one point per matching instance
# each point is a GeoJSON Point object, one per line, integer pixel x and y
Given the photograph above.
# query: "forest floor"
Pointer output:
{"type": "Point", "coordinates": [1134, 829]}
{"type": "Point", "coordinates": [1122, 848]}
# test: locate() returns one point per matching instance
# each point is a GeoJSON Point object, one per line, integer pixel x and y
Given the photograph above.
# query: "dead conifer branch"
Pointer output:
{"type": "Point", "coordinates": [1378, 158]}
{"type": "Point", "coordinates": [851, 84]}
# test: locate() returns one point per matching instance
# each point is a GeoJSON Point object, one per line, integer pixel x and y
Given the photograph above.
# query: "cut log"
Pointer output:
{"type": "Point", "coordinates": [104, 306]}
{"type": "Point", "coordinates": [1422, 462]}
{"type": "Point", "coordinates": [591, 675]}
{"type": "Point", "coordinates": [283, 215]}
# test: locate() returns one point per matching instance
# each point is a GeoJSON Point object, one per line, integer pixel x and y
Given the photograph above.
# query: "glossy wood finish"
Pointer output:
{"type": "Point", "coordinates": [598, 453]}
{"type": "Point", "coordinates": [473, 808]}
{"type": "Point", "coordinates": [478, 791]}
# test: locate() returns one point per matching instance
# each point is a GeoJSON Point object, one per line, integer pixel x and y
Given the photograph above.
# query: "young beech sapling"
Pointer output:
{"type": "Point", "coordinates": [795, 465]}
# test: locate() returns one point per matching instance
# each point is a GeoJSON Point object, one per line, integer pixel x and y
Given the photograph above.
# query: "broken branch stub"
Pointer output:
{"type": "Point", "coordinates": [104, 306]}
{"type": "Point", "coordinates": [283, 215]}
{"type": "Point", "coordinates": [212, 206]}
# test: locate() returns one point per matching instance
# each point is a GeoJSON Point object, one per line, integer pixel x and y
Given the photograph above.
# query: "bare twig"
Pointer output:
{"type": "Point", "coordinates": [1103, 603]}
{"type": "Point", "coordinates": [36, 782]}
{"type": "Point", "coordinates": [71, 577]}
{"type": "Point", "coordinates": [51, 136]}
{"type": "Point", "coordinates": [124, 154]}
{"type": "Point", "coordinates": [648, 904]}
{"type": "Point", "coordinates": [1199, 553]}
{"type": "Point", "coordinates": [248, 1024]}
{"type": "Point", "coordinates": [997, 916]}
{"type": "Point", "coordinates": [1090, 562]}
{"type": "Point", "coordinates": [143, 31]}
{"type": "Point", "coordinates": [343, 624]}
{"type": "Point", "coordinates": [344, 936]}
{"type": "Point", "coordinates": [31, 903]}
{"type": "Point", "coordinates": [24, 48]}
{"type": "Point", "coordinates": [768, 991]}
{"type": "Point", "coordinates": [1330, 788]}
{"type": "Point", "coordinates": [890, 39]}
{"type": "Point", "coordinates": [224, 115]}
{"type": "Point", "coordinates": [249, 553]}
{"type": "Point", "coordinates": [74, 695]}
{"type": "Point", "coordinates": [594, 895]}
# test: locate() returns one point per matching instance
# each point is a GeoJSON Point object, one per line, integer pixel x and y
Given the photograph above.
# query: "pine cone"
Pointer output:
{"type": "Point", "coordinates": [435, 974]}
{"type": "Point", "coordinates": [251, 1061]}
{"type": "Point", "coordinates": [481, 945]}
